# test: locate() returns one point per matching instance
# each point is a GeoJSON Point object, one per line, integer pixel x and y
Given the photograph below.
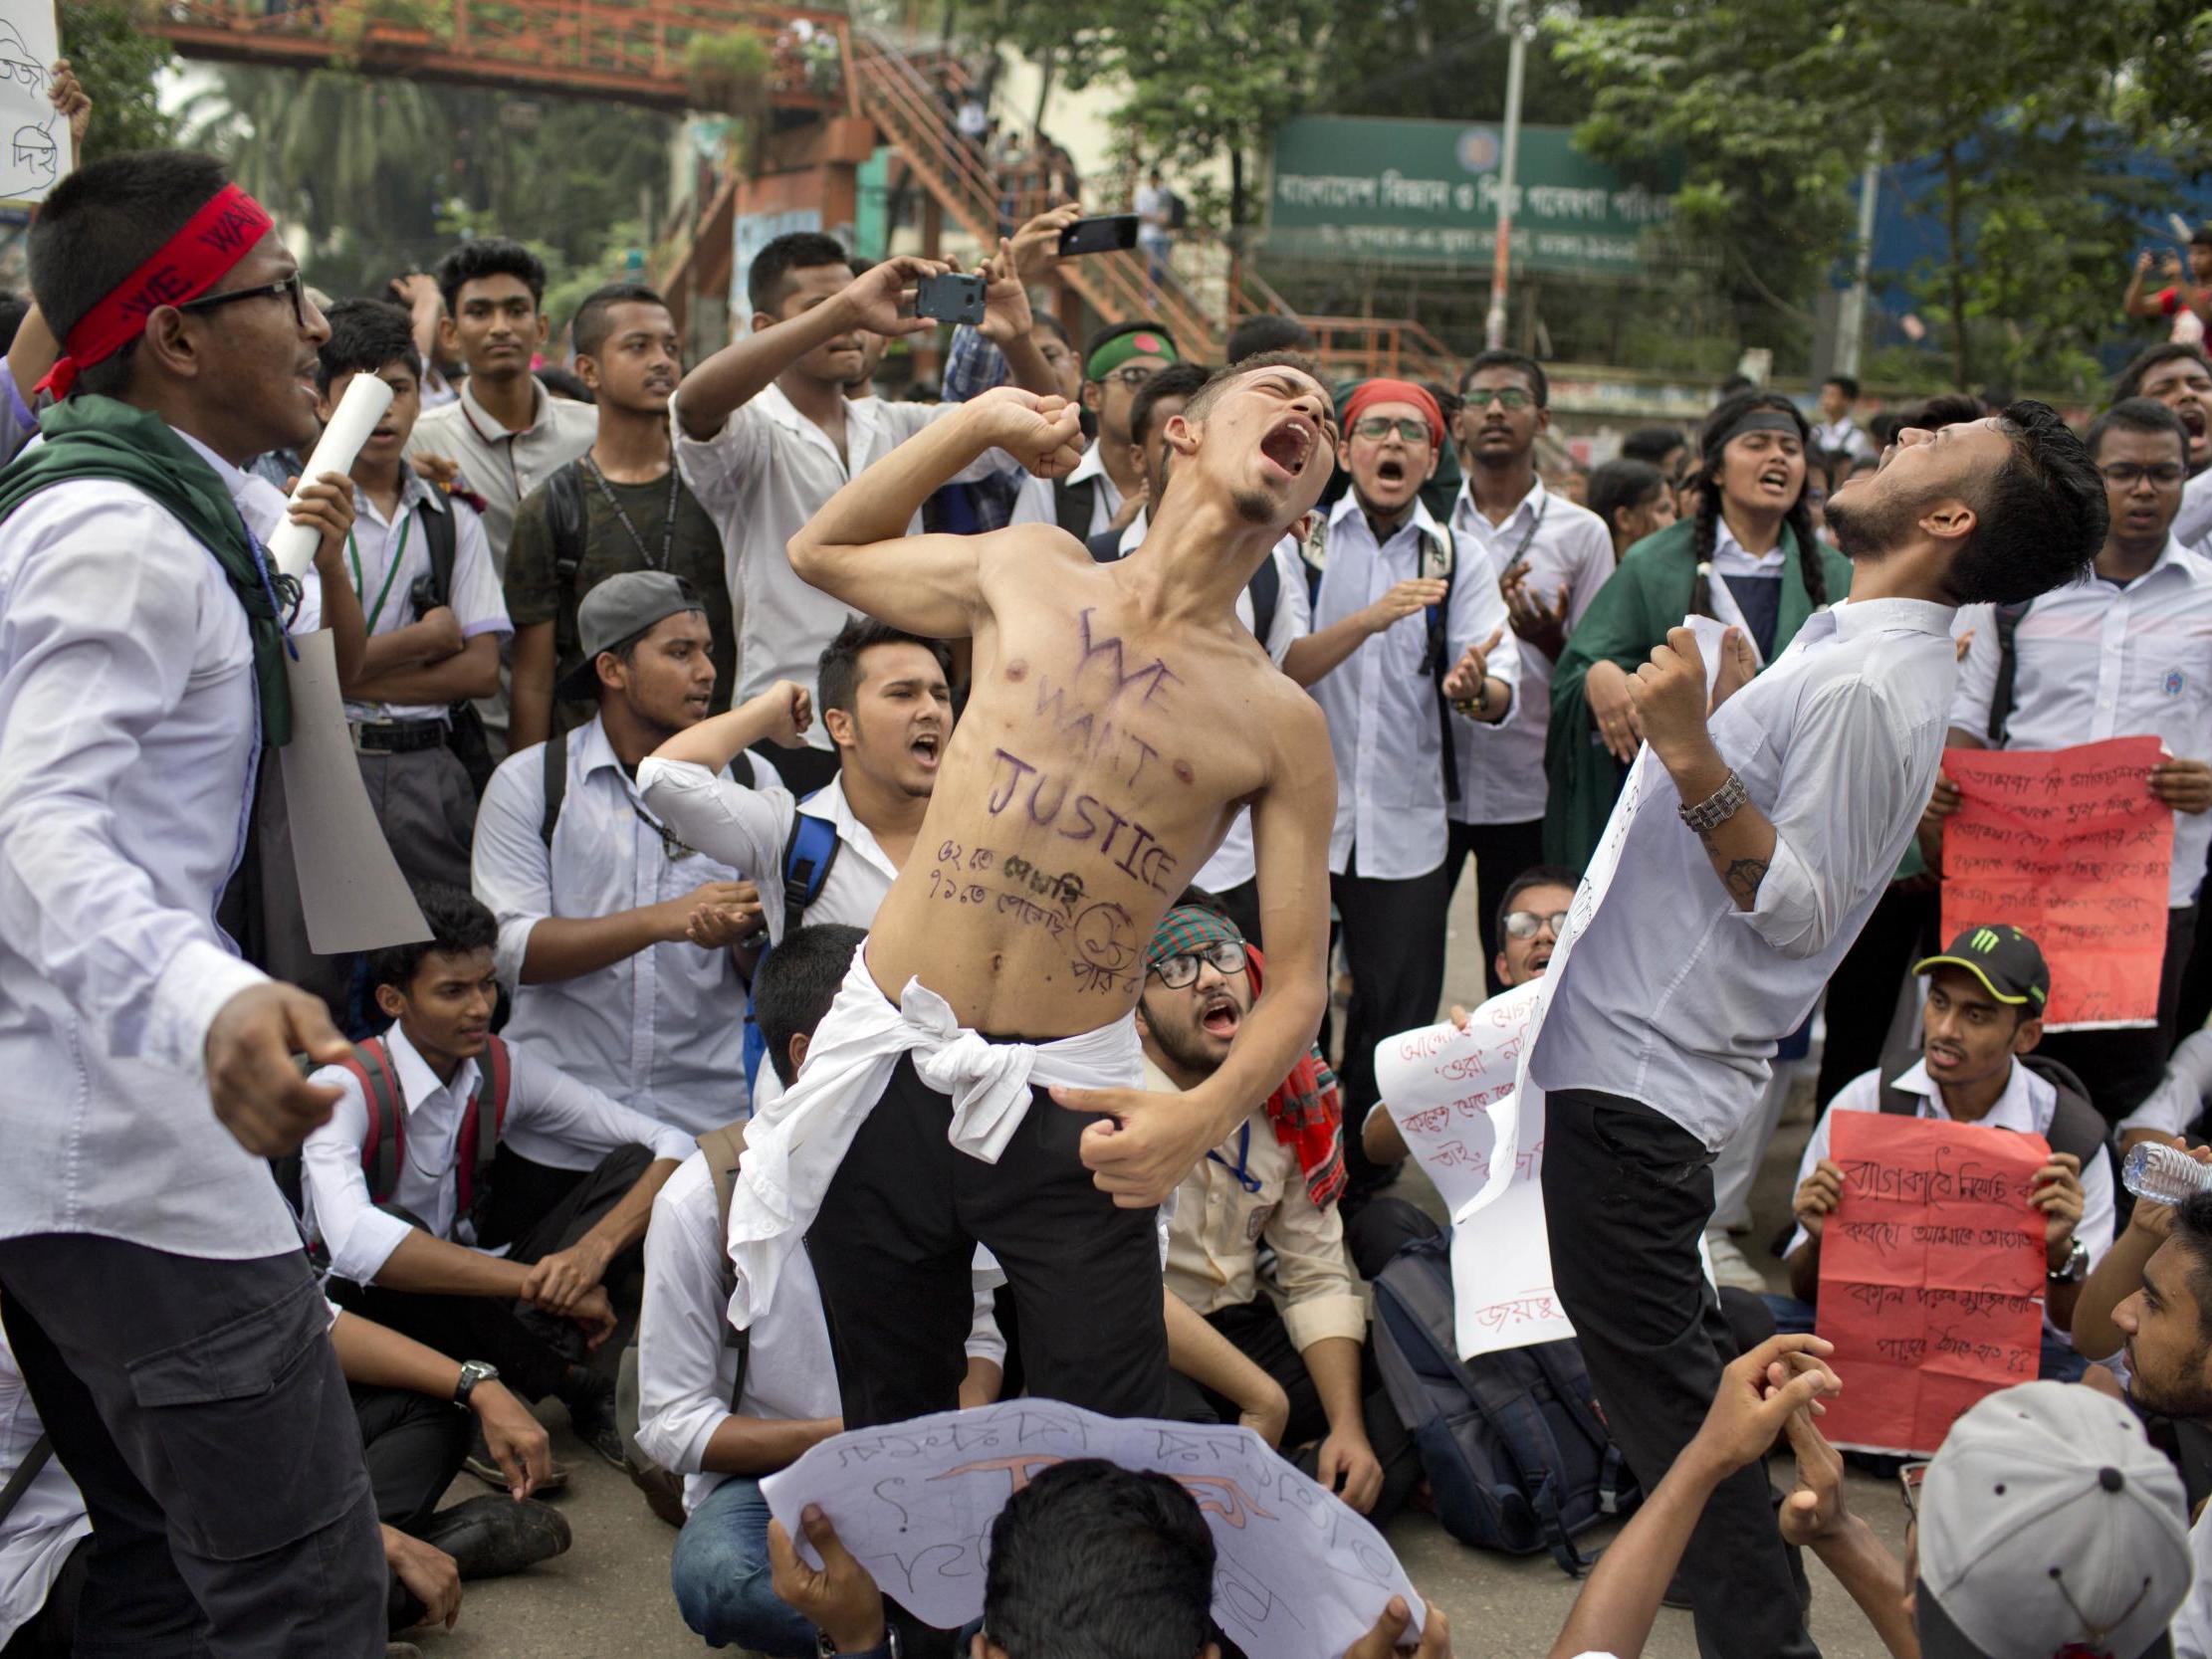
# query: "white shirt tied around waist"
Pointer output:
{"type": "Point", "coordinates": [792, 1149]}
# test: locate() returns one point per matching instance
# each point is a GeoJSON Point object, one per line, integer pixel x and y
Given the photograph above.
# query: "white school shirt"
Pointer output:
{"type": "Point", "coordinates": [760, 478]}
{"type": "Point", "coordinates": [748, 829]}
{"type": "Point", "coordinates": [1381, 703]}
{"type": "Point", "coordinates": [2027, 1107]}
{"type": "Point", "coordinates": [684, 1368]}
{"type": "Point", "coordinates": [2094, 660]}
{"type": "Point", "coordinates": [475, 600]}
{"type": "Point", "coordinates": [1671, 995]}
{"type": "Point", "coordinates": [663, 1030]}
{"type": "Point", "coordinates": [550, 1119]}
{"type": "Point", "coordinates": [48, 1519]}
{"type": "Point", "coordinates": [2192, 525]}
{"type": "Point", "coordinates": [1846, 435]}
{"type": "Point", "coordinates": [1038, 504]}
{"type": "Point", "coordinates": [1501, 768]}
{"type": "Point", "coordinates": [130, 735]}
{"type": "Point", "coordinates": [2174, 1106]}
{"type": "Point", "coordinates": [2191, 1629]}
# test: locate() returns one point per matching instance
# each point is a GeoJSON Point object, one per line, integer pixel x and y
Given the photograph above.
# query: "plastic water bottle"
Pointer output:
{"type": "Point", "coordinates": [2164, 1174]}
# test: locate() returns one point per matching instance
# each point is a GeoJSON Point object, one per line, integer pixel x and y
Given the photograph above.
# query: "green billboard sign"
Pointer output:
{"type": "Point", "coordinates": [1426, 193]}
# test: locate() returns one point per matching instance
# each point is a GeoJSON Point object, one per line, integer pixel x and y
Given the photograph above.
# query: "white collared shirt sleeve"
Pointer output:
{"type": "Point", "coordinates": [2174, 1104]}
{"type": "Point", "coordinates": [478, 604]}
{"type": "Point", "coordinates": [984, 1338]}
{"type": "Point", "coordinates": [89, 666]}
{"type": "Point", "coordinates": [720, 468]}
{"type": "Point", "coordinates": [546, 1104]}
{"type": "Point", "coordinates": [681, 1395]}
{"type": "Point", "coordinates": [359, 1237]}
{"type": "Point", "coordinates": [1293, 619]}
{"type": "Point", "coordinates": [511, 867]}
{"type": "Point", "coordinates": [2099, 1214]}
{"type": "Point", "coordinates": [744, 828]}
{"type": "Point", "coordinates": [1977, 673]}
{"type": "Point", "coordinates": [1478, 611]}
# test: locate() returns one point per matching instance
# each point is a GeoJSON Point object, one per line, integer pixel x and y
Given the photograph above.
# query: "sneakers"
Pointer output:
{"type": "Point", "coordinates": [489, 1537]}
{"type": "Point", "coordinates": [480, 1464]}
{"type": "Point", "coordinates": [589, 1397]}
{"type": "Point", "coordinates": [1731, 1268]}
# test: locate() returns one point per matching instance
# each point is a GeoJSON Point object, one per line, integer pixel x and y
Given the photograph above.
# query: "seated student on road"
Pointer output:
{"type": "Point", "coordinates": [1984, 1008]}
{"type": "Point", "coordinates": [724, 1414]}
{"type": "Point", "coordinates": [460, 1175]}
{"type": "Point", "coordinates": [1274, 1183]}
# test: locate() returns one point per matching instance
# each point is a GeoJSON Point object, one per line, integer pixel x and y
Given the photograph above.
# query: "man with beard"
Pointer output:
{"type": "Point", "coordinates": [1770, 821]}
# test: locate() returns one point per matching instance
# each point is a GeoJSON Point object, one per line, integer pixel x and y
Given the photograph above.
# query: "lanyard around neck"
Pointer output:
{"type": "Point", "coordinates": [668, 525]}
{"type": "Point", "coordinates": [1242, 1169]}
{"type": "Point", "coordinates": [391, 571]}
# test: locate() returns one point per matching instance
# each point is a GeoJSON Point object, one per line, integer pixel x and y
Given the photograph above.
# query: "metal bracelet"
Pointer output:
{"type": "Point", "coordinates": [1716, 809]}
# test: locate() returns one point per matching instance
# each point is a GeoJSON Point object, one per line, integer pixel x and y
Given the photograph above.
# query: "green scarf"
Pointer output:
{"type": "Point", "coordinates": [91, 437]}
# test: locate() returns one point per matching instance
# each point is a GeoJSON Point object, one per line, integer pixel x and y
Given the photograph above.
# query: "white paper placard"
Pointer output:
{"type": "Point", "coordinates": [39, 148]}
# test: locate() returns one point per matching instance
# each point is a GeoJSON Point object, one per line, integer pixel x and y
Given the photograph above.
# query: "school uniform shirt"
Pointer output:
{"type": "Point", "coordinates": [37, 1536]}
{"type": "Point", "coordinates": [1039, 502]}
{"type": "Point", "coordinates": [2180, 1096]}
{"type": "Point", "coordinates": [684, 1370]}
{"type": "Point", "coordinates": [1501, 768]}
{"type": "Point", "coordinates": [387, 558]}
{"type": "Point", "coordinates": [502, 465]}
{"type": "Point", "coordinates": [1846, 434]}
{"type": "Point", "coordinates": [662, 1030]}
{"type": "Point", "coordinates": [129, 737]}
{"type": "Point", "coordinates": [760, 478]}
{"type": "Point", "coordinates": [2027, 1107]}
{"type": "Point", "coordinates": [1384, 727]}
{"type": "Point", "coordinates": [2192, 525]}
{"type": "Point", "coordinates": [552, 1119]}
{"type": "Point", "coordinates": [2094, 660]}
{"type": "Point", "coordinates": [2191, 1629]}
{"type": "Point", "coordinates": [1218, 1225]}
{"type": "Point", "coordinates": [1674, 997]}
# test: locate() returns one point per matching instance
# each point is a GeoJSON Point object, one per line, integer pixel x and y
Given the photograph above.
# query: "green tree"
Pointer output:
{"type": "Point", "coordinates": [118, 62]}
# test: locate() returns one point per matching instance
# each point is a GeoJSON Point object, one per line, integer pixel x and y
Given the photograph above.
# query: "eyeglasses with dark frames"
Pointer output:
{"type": "Point", "coordinates": [293, 288]}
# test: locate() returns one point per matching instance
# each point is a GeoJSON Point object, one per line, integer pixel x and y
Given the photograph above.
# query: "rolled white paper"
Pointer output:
{"type": "Point", "coordinates": [363, 405]}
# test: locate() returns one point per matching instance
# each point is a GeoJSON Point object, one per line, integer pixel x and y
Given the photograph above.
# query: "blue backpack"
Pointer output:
{"type": "Point", "coordinates": [1513, 1443]}
{"type": "Point", "coordinates": [808, 857]}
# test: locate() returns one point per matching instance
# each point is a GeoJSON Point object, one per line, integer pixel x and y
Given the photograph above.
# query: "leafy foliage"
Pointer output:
{"type": "Point", "coordinates": [117, 60]}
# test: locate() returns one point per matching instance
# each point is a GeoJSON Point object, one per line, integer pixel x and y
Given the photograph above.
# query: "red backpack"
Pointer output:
{"type": "Point", "coordinates": [381, 1153]}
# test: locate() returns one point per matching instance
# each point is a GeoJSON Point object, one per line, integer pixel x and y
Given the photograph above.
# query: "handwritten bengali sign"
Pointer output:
{"type": "Point", "coordinates": [1299, 1574]}
{"type": "Point", "coordinates": [2070, 845]}
{"type": "Point", "coordinates": [1931, 1275]}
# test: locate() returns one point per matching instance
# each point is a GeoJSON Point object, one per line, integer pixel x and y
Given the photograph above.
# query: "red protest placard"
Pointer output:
{"type": "Point", "coordinates": [2070, 845]}
{"type": "Point", "coordinates": [1931, 1275]}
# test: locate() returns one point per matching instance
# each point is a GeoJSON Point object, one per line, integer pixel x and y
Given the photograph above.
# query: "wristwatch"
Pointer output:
{"type": "Point", "coordinates": [473, 1372]}
{"type": "Point", "coordinates": [2075, 1267]}
{"type": "Point", "coordinates": [888, 1648]}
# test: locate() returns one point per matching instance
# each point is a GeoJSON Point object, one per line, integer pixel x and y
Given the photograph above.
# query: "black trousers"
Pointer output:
{"type": "Point", "coordinates": [1241, 903]}
{"type": "Point", "coordinates": [1862, 991]}
{"type": "Point", "coordinates": [1627, 1193]}
{"type": "Point", "coordinates": [412, 1446]}
{"type": "Point", "coordinates": [1394, 936]}
{"type": "Point", "coordinates": [536, 1210]}
{"type": "Point", "coordinates": [804, 770]}
{"type": "Point", "coordinates": [898, 1227]}
{"type": "Point", "coordinates": [1500, 853]}
{"type": "Point", "coordinates": [2122, 1066]}
{"type": "Point", "coordinates": [1259, 1333]}
{"type": "Point", "coordinates": [1383, 1227]}
{"type": "Point", "coordinates": [200, 1408]}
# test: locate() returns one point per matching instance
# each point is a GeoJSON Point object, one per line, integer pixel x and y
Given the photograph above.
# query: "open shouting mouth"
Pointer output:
{"type": "Point", "coordinates": [1220, 1016]}
{"type": "Point", "coordinates": [1289, 444]}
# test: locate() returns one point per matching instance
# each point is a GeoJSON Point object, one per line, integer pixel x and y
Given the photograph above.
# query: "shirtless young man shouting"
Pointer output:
{"type": "Point", "coordinates": [1119, 718]}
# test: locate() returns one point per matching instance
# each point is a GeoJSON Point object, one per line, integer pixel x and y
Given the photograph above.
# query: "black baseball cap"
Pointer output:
{"type": "Point", "coordinates": [2004, 959]}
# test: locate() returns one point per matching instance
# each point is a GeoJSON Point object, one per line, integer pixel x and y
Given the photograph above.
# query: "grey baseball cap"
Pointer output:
{"type": "Point", "coordinates": [617, 612]}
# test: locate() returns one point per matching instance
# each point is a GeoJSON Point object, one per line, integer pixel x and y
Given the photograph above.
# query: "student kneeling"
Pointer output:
{"type": "Point", "coordinates": [468, 1194]}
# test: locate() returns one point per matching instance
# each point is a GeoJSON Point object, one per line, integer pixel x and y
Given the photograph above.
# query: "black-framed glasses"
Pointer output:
{"type": "Point", "coordinates": [1505, 397]}
{"type": "Point", "coordinates": [1528, 924]}
{"type": "Point", "coordinates": [1374, 428]}
{"type": "Point", "coordinates": [293, 288]}
{"type": "Point", "coordinates": [1226, 956]}
{"type": "Point", "coordinates": [1910, 1477]}
{"type": "Point", "coordinates": [1132, 375]}
{"type": "Point", "coordinates": [2127, 475]}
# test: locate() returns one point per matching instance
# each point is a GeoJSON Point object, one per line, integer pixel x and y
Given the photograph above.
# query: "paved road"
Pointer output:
{"type": "Point", "coordinates": [610, 1598]}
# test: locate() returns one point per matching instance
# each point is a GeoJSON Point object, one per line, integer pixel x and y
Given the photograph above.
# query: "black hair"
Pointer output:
{"type": "Point", "coordinates": [1045, 320]}
{"type": "Point", "coordinates": [587, 334]}
{"type": "Point", "coordinates": [564, 383]}
{"type": "Point", "coordinates": [1267, 331]}
{"type": "Point", "coordinates": [1536, 875]}
{"type": "Point", "coordinates": [99, 225]}
{"type": "Point", "coordinates": [1219, 380]}
{"type": "Point", "coordinates": [2201, 236]}
{"type": "Point", "coordinates": [458, 924]}
{"type": "Point", "coordinates": [1883, 428]}
{"type": "Point", "coordinates": [2138, 414]}
{"type": "Point", "coordinates": [1176, 381]}
{"type": "Point", "coordinates": [1932, 414]}
{"type": "Point", "coordinates": [1705, 527]}
{"type": "Point", "coordinates": [1622, 485]}
{"type": "Point", "coordinates": [2192, 1230]}
{"type": "Point", "coordinates": [2130, 381]}
{"type": "Point", "coordinates": [490, 256]}
{"type": "Point", "coordinates": [1653, 444]}
{"type": "Point", "coordinates": [768, 281]}
{"type": "Point", "coordinates": [1848, 384]}
{"type": "Point", "coordinates": [1091, 1560]}
{"type": "Point", "coordinates": [1200, 897]}
{"type": "Point", "coordinates": [13, 309]}
{"type": "Point", "coordinates": [2042, 514]}
{"type": "Point", "coordinates": [1520, 362]}
{"type": "Point", "coordinates": [366, 336]}
{"type": "Point", "coordinates": [837, 670]}
{"type": "Point", "coordinates": [1733, 386]}
{"type": "Point", "coordinates": [797, 982]}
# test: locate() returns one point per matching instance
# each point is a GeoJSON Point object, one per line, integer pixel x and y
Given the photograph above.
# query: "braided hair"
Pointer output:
{"type": "Point", "coordinates": [1704, 533]}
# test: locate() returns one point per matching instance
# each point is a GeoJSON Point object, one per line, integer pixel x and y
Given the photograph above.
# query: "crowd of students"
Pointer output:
{"type": "Point", "coordinates": [926, 831]}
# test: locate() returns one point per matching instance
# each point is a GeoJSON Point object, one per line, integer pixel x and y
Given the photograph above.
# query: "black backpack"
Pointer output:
{"type": "Point", "coordinates": [465, 734]}
{"type": "Point", "coordinates": [1265, 587]}
{"type": "Point", "coordinates": [2077, 1126]}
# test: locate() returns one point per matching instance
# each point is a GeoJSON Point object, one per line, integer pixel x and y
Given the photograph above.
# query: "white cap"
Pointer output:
{"type": "Point", "coordinates": [2046, 1518]}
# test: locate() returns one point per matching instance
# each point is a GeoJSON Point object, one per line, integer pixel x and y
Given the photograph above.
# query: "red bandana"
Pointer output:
{"type": "Point", "coordinates": [1308, 1113]}
{"type": "Point", "coordinates": [193, 261]}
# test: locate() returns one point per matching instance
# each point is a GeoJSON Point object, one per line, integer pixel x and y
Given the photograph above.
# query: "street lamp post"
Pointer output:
{"type": "Point", "coordinates": [1517, 32]}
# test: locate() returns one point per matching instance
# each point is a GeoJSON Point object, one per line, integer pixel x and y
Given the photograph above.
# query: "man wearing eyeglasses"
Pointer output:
{"type": "Point", "coordinates": [2124, 653]}
{"type": "Point", "coordinates": [1117, 361]}
{"type": "Point", "coordinates": [1274, 1181]}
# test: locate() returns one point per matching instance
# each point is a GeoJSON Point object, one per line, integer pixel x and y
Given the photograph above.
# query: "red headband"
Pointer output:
{"type": "Point", "coordinates": [193, 261]}
{"type": "Point", "coordinates": [1397, 391]}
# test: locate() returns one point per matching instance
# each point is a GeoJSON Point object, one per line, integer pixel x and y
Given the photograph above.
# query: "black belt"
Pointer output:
{"type": "Point", "coordinates": [397, 736]}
